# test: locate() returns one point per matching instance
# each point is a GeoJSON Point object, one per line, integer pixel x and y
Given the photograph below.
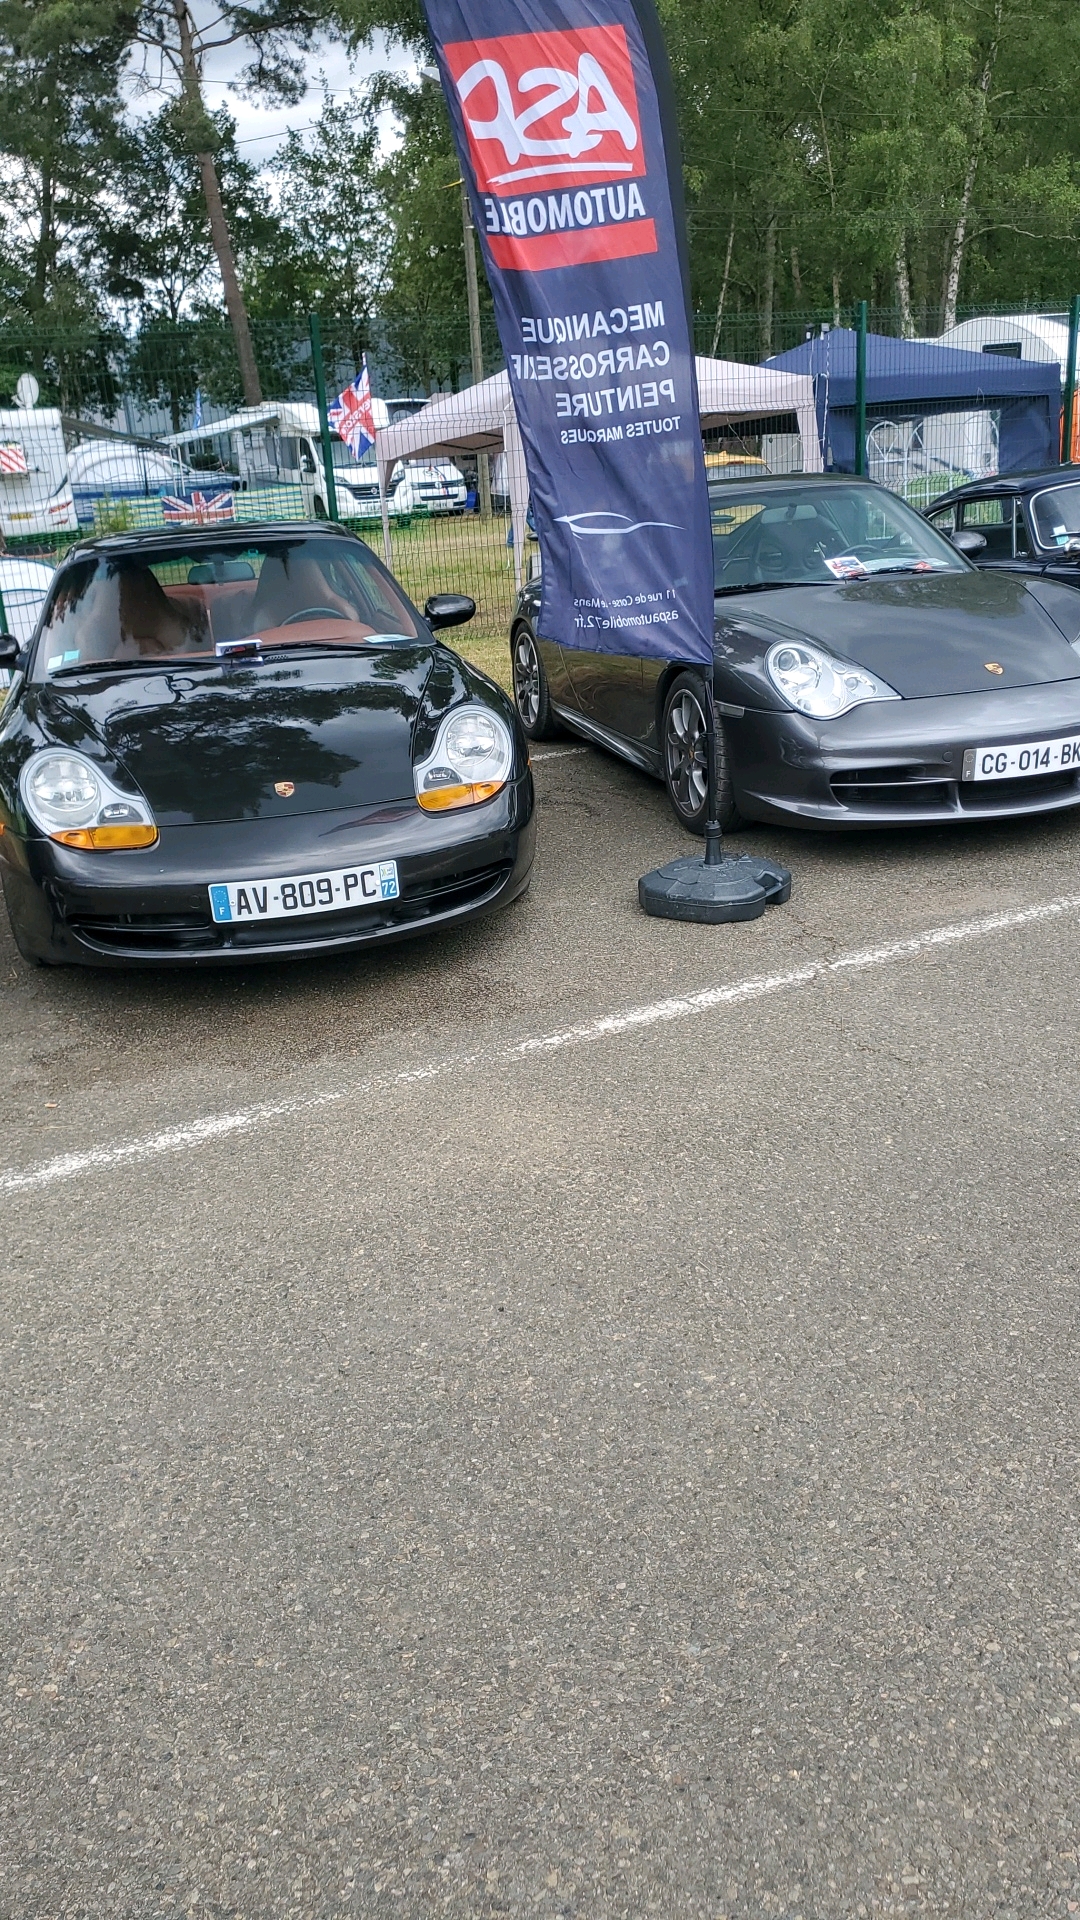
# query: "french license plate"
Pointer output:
{"type": "Point", "coordinates": [305, 893]}
{"type": "Point", "coordinates": [1012, 763]}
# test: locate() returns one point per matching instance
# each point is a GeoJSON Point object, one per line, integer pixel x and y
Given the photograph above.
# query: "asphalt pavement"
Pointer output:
{"type": "Point", "coordinates": [577, 1416]}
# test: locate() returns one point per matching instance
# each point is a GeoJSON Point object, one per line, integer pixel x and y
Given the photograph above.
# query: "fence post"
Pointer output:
{"type": "Point", "coordinates": [3, 618]}
{"type": "Point", "coordinates": [324, 424]}
{"type": "Point", "coordinates": [1068, 423]}
{"type": "Point", "coordinates": [860, 387]}
{"type": "Point", "coordinates": [476, 346]}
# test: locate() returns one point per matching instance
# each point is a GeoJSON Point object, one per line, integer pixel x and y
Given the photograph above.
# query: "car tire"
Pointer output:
{"type": "Point", "coordinates": [531, 695]}
{"type": "Point", "coordinates": [320, 508]}
{"type": "Point", "coordinates": [684, 745]}
{"type": "Point", "coordinates": [30, 959]}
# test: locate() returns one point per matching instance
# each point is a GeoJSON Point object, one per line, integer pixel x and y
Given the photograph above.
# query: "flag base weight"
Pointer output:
{"type": "Point", "coordinates": [733, 887]}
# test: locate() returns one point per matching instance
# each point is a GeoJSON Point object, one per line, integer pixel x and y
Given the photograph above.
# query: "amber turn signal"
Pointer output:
{"type": "Point", "coordinates": [441, 799]}
{"type": "Point", "coordinates": [106, 839]}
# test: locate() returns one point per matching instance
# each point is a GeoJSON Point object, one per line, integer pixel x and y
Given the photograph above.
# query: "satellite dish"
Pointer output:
{"type": "Point", "coordinates": [27, 390]}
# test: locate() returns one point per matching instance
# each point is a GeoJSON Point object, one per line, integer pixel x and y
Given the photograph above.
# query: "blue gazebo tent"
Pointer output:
{"type": "Point", "coordinates": [915, 381]}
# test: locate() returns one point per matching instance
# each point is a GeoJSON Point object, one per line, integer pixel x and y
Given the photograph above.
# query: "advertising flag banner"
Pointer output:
{"type": "Point", "coordinates": [557, 115]}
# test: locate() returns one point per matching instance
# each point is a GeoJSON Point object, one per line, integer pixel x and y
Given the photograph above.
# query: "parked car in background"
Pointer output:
{"type": "Point", "coordinates": [866, 674]}
{"type": "Point", "coordinates": [1022, 522]}
{"type": "Point", "coordinates": [108, 472]}
{"type": "Point", "coordinates": [23, 587]}
{"type": "Point", "coordinates": [35, 495]}
{"type": "Point", "coordinates": [430, 486]}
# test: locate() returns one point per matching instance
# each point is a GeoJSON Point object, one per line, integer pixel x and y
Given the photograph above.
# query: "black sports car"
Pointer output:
{"type": "Point", "coordinates": [866, 673]}
{"type": "Point", "coordinates": [1023, 522]}
{"type": "Point", "coordinates": [245, 744]}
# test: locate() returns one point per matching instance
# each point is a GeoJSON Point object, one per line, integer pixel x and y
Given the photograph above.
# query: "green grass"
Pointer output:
{"type": "Point", "coordinates": [460, 555]}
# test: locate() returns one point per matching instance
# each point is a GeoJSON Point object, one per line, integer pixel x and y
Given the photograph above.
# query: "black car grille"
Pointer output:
{"type": "Point", "coordinates": [914, 788]}
{"type": "Point", "coordinates": [902, 787]}
{"type": "Point", "coordinates": [982, 796]}
{"type": "Point", "coordinates": [181, 933]}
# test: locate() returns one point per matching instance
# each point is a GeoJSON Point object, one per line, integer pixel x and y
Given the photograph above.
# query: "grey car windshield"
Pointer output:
{"type": "Point", "coordinates": [1057, 515]}
{"type": "Point", "coordinates": [774, 535]}
{"type": "Point", "coordinates": [154, 603]}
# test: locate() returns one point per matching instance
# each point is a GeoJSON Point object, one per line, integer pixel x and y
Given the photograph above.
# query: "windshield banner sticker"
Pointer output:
{"type": "Point", "coordinates": [559, 129]}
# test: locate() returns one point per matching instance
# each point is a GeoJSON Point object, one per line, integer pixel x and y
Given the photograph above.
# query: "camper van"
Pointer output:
{"type": "Point", "coordinates": [277, 451]}
{"type": "Point", "coordinates": [35, 496]}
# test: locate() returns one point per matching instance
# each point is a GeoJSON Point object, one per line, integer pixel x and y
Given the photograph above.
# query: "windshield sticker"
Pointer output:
{"type": "Point", "coordinates": [846, 566]}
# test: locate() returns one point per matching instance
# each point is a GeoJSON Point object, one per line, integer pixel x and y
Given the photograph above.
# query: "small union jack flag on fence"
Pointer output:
{"type": "Point", "coordinates": [12, 458]}
{"type": "Point", "coordinates": [351, 416]}
{"type": "Point", "coordinates": [198, 510]}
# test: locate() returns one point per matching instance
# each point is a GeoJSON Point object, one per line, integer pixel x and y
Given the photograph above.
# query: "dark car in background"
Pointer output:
{"type": "Point", "coordinates": [1019, 522]}
{"type": "Point", "coordinates": [246, 744]}
{"type": "Point", "coordinates": [865, 673]}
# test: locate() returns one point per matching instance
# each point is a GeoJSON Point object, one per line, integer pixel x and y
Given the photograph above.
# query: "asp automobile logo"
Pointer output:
{"type": "Point", "coordinates": [555, 144]}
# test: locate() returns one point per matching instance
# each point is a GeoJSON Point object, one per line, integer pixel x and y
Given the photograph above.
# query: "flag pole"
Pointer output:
{"type": "Point", "coordinates": [718, 887]}
{"type": "Point", "coordinates": [324, 424]}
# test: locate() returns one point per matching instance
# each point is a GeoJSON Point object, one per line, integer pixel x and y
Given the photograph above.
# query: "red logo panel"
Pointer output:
{"type": "Point", "coordinates": [554, 138]}
{"type": "Point", "coordinates": [548, 109]}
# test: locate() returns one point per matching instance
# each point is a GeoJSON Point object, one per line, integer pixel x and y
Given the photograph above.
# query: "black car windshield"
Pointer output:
{"type": "Point", "coordinates": [166, 603]}
{"type": "Point", "coordinates": [775, 535]}
{"type": "Point", "coordinates": [1057, 515]}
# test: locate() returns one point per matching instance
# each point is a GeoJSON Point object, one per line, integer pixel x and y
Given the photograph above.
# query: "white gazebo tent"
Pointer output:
{"type": "Point", "coordinates": [481, 419]}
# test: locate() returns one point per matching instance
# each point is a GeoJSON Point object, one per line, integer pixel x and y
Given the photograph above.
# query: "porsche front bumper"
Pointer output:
{"type": "Point", "coordinates": [899, 763]}
{"type": "Point", "coordinates": [151, 908]}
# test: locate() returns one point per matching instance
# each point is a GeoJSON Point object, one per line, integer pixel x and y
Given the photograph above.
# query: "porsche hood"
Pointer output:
{"type": "Point", "coordinates": [925, 634]}
{"type": "Point", "coordinates": [299, 735]}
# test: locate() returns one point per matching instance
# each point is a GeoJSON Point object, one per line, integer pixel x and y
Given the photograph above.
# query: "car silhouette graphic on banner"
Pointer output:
{"type": "Point", "coordinates": [555, 142]}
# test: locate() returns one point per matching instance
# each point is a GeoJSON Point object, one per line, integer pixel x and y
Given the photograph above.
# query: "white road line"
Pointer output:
{"type": "Point", "coordinates": [218, 1126]}
{"type": "Point", "coordinates": [557, 753]}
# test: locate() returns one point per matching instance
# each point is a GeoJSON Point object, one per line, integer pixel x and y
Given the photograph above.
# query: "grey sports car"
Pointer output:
{"type": "Point", "coordinates": [866, 673]}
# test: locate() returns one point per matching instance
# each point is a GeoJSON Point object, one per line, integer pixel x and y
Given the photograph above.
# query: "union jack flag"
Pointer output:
{"type": "Point", "coordinates": [351, 417]}
{"type": "Point", "coordinates": [198, 510]}
{"type": "Point", "coordinates": [12, 458]}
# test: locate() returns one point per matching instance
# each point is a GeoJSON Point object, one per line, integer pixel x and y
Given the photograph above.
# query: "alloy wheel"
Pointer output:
{"type": "Point", "coordinates": [527, 679]}
{"type": "Point", "coordinates": [686, 754]}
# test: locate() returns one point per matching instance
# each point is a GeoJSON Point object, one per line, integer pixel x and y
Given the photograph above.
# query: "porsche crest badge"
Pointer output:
{"type": "Point", "coordinates": [992, 666]}
{"type": "Point", "coordinates": [285, 789]}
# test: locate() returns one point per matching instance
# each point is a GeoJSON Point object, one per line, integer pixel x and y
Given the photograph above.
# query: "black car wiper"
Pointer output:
{"type": "Point", "coordinates": [771, 586]}
{"type": "Point", "coordinates": [164, 664]}
{"type": "Point", "coordinates": [903, 566]}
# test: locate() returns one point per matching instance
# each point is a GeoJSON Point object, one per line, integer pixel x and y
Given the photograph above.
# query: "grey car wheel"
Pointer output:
{"type": "Point", "coordinates": [531, 696]}
{"type": "Point", "coordinates": [686, 760]}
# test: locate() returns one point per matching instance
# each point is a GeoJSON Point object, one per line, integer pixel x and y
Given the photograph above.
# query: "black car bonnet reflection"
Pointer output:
{"type": "Point", "coordinates": [212, 746]}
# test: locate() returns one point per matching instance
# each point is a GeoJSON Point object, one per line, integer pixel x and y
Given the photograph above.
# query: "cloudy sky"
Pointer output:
{"type": "Point", "coordinates": [260, 129]}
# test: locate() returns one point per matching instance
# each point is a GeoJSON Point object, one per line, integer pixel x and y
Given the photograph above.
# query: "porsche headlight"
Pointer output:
{"type": "Point", "coordinates": [471, 759]}
{"type": "Point", "coordinates": [816, 684]}
{"type": "Point", "coordinates": [71, 800]}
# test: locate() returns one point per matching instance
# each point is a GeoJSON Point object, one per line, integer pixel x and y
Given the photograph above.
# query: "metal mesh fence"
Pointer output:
{"type": "Point", "coordinates": [102, 431]}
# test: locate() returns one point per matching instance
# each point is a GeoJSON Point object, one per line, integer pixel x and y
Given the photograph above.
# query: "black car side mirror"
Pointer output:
{"type": "Point", "coordinates": [968, 541]}
{"type": "Point", "coordinates": [9, 650]}
{"type": "Point", "coordinates": [449, 610]}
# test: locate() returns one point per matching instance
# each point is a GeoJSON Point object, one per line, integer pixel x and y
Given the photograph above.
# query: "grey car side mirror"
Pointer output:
{"type": "Point", "coordinates": [968, 541]}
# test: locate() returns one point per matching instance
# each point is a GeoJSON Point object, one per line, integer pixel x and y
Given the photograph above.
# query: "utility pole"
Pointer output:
{"type": "Point", "coordinates": [476, 345]}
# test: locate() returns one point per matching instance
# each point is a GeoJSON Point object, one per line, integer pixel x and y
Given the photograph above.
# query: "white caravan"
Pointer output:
{"type": "Point", "coordinates": [35, 496]}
